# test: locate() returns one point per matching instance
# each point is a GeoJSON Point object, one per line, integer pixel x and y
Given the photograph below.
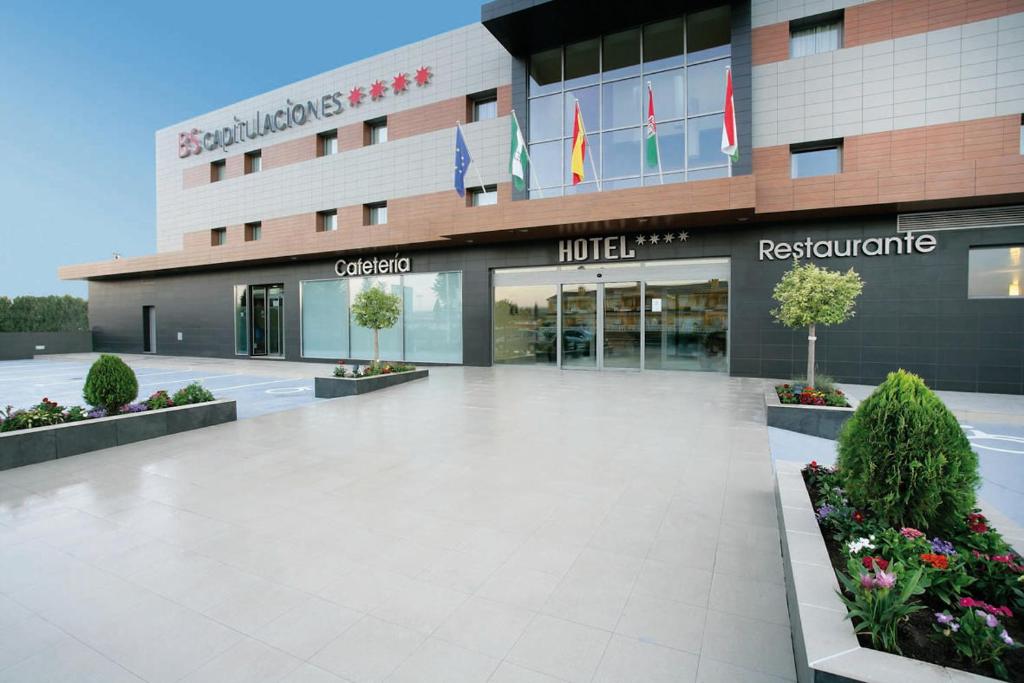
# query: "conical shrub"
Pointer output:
{"type": "Point", "coordinates": [904, 458]}
{"type": "Point", "coordinates": [110, 384]}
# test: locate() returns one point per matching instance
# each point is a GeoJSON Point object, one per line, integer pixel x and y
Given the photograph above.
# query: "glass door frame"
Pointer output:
{"type": "Point", "coordinates": [599, 326]}
{"type": "Point", "coordinates": [251, 322]}
{"type": "Point", "coordinates": [696, 269]}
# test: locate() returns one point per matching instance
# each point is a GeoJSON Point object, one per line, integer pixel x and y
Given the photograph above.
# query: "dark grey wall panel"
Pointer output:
{"type": "Point", "coordinates": [18, 345]}
{"type": "Point", "coordinates": [914, 312]}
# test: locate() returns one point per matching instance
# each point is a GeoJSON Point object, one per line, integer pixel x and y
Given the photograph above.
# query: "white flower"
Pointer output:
{"type": "Point", "coordinates": [860, 544]}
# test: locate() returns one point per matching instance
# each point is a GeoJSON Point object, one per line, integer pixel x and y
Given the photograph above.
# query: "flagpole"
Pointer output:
{"type": "Point", "coordinates": [529, 159]}
{"type": "Point", "coordinates": [657, 142]}
{"type": "Point", "coordinates": [476, 168]}
{"type": "Point", "coordinates": [587, 138]}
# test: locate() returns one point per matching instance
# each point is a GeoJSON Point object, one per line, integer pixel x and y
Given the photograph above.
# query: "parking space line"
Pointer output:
{"type": "Point", "coordinates": [188, 379]}
{"type": "Point", "coordinates": [257, 384]}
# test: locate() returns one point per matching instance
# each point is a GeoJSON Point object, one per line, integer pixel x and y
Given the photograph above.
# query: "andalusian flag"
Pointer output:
{"type": "Point", "coordinates": [651, 143]}
{"type": "Point", "coordinates": [579, 146]}
{"type": "Point", "coordinates": [518, 161]}
{"type": "Point", "coordinates": [730, 144]}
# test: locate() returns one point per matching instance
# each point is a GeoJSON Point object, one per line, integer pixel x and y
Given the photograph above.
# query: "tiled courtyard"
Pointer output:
{"type": "Point", "coordinates": [482, 525]}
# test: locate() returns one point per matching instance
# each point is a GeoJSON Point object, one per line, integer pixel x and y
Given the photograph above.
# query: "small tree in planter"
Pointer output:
{"type": "Point", "coordinates": [376, 310]}
{"type": "Point", "coordinates": [809, 296]}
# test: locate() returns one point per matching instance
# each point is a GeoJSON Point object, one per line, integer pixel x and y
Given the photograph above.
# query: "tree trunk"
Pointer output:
{"type": "Point", "coordinates": [811, 338]}
{"type": "Point", "coordinates": [376, 347]}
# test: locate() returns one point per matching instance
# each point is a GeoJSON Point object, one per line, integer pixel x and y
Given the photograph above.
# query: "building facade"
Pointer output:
{"type": "Point", "coordinates": [881, 135]}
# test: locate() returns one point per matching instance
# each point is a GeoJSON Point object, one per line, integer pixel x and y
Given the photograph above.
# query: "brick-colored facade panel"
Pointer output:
{"type": "Point", "coordinates": [291, 152]}
{"type": "Point", "coordinates": [436, 116]}
{"type": "Point", "coordinates": [194, 176]}
{"type": "Point", "coordinates": [770, 43]}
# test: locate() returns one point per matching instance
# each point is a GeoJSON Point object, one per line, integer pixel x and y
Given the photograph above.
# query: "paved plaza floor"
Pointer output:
{"type": "Point", "coordinates": [485, 524]}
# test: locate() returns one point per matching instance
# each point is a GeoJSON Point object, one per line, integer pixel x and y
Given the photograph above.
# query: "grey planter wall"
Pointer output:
{"type": "Point", "coordinates": [337, 387]}
{"type": "Point", "coordinates": [822, 421]}
{"type": "Point", "coordinates": [24, 345]}
{"type": "Point", "coordinates": [30, 446]}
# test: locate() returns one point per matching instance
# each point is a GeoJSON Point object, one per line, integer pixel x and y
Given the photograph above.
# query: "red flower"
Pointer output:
{"type": "Point", "coordinates": [858, 516]}
{"type": "Point", "coordinates": [882, 564]}
{"type": "Point", "coordinates": [814, 465]}
{"type": "Point", "coordinates": [976, 523]}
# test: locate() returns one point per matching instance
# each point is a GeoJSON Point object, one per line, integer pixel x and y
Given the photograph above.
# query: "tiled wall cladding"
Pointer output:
{"type": "Point", "coordinates": [764, 12]}
{"type": "Point", "coordinates": [463, 62]}
{"type": "Point", "coordinates": [961, 73]}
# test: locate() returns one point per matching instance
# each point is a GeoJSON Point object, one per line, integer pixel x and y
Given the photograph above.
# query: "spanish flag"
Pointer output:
{"type": "Point", "coordinates": [579, 146]}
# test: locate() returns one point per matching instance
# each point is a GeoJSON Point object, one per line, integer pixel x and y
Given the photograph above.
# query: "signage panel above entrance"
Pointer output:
{"type": "Point", "coordinates": [612, 248]}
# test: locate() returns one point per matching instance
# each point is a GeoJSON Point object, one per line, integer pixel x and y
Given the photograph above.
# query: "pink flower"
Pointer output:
{"type": "Point", "coordinates": [910, 532]}
{"type": "Point", "coordinates": [866, 582]}
{"type": "Point", "coordinates": [1006, 637]}
{"type": "Point", "coordinates": [885, 579]}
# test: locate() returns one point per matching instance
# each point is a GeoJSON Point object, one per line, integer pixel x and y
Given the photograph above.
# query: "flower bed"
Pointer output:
{"type": "Point", "coordinates": [362, 380]}
{"type": "Point", "coordinates": [953, 600]}
{"type": "Point", "coordinates": [48, 413]}
{"type": "Point", "coordinates": [802, 394]}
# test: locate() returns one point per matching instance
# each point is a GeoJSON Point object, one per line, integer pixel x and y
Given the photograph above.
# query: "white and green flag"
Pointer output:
{"type": "Point", "coordinates": [518, 160]}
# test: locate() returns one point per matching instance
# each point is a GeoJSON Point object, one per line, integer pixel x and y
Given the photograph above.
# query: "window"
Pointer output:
{"type": "Point", "coordinates": [327, 143]}
{"type": "Point", "coordinates": [995, 272]}
{"type": "Point", "coordinates": [217, 170]}
{"type": "Point", "coordinates": [485, 106]}
{"type": "Point", "coordinates": [823, 158]}
{"type": "Point", "coordinates": [376, 214]}
{"type": "Point", "coordinates": [325, 319]}
{"type": "Point", "coordinates": [815, 35]}
{"type": "Point", "coordinates": [218, 237]}
{"type": "Point", "coordinates": [327, 221]}
{"type": "Point", "coordinates": [485, 196]}
{"type": "Point", "coordinates": [378, 131]}
{"type": "Point", "coordinates": [253, 231]}
{"type": "Point", "coordinates": [1022, 133]}
{"type": "Point", "coordinates": [684, 59]}
{"type": "Point", "coordinates": [254, 161]}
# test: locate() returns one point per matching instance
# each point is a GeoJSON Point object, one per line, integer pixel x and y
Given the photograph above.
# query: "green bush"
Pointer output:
{"type": "Point", "coordinates": [43, 314]}
{"type": "Point", "coordinates": [904, 457]}
{"type": "Point", "coordinates": [193, 393]}
{"type": "Point", "coordinates": [110, 385]}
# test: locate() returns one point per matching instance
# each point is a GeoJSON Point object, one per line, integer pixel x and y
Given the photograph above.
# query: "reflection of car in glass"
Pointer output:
{"type": "Point", "coordinates": [577, 341]}
{"type": "Point", "coordinates": [544, 344]}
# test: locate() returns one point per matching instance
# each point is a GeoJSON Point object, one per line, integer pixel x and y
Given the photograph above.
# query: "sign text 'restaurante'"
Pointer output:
{"type": "Point", "coordinates": [292, 114]}
{"type": "Point", "coordinates": [769, 250]}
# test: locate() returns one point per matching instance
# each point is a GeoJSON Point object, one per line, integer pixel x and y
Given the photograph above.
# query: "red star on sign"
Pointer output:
{"type": "Point", "coordinates": [377, 89]}
{"type": "Point", "coordinates": [423, 75]}
{"type": "Point", "coordinates": [355, 96]}
{"type": "Point", "coordinates": [400, 83]}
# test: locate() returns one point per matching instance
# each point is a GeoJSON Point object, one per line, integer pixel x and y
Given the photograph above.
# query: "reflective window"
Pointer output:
{"type": "Point", "coordinates": [621, 54]}
{"type": "Point", "coordinates": [807, 163]}
{"type": "Point", "coordinates": [377, 214]}
{"type": "Point", "coordinates": [620, 153]}
{"type": "Point", "coordinates": [995, 272]}
{"type": "Point", "coordinates": [546, 72]}
{"type": "Point", "coordinates": [325, 321]}
{"type": "Point", "coordinates": [708, 34]}
{"type": "Point", "coordinates": [704, 141]}
{"type": "Point", "coordinates": [378, 132]}
{"type": "Point", "coordinates": [815, 38]}
{"type": "Point", "coordinates": [254, 162]}
{"type": "Point", "coordinates": [483, 196]}
{"type": "Point", "coordinates": [683, 59]}
{"type": "Point", "coordinates": [582, 63]}
{"type": "Point", "coordinates": [432, 311]}
{"type": "Point", "coordinates": [663, 44]}
{"type": "Point", "coordinates": [484, 109]}
{"type": "Point", "coordinates": [579, 326]}
{"type": "Point", "coordinates": [362, 338]}
{"type": "Point", "coordinates": [328, 143]}
{"type": "Point", "coordinates": [620, 105]}
{"type": "Point", "coordinates": [545, 119]}
{"type": "Point", "coordinates": [686, 325]}
{"type": "Point", "coordinates": [526, 325]}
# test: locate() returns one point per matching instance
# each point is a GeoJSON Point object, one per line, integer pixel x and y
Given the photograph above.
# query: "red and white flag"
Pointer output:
{"type": "Point", "coordinates": [730, 143]}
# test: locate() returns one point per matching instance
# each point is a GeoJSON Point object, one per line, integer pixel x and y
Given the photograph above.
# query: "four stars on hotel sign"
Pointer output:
{"type": "Point", "coordinates": [399, 85]}
{"type": "Point", "coordinates": [667, 238]}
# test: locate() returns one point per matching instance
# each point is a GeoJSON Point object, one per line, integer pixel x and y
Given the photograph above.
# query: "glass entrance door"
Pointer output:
{"type": "Point", "coordinates": [267, 320]}
{"type": "Point", "coordinates": [622, 313]}
{"type": "Point", "coordinates": [579, 336]}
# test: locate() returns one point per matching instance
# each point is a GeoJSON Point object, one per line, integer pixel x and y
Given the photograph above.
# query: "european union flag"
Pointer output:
{"type": "Point", "coordinates": [462, 161]}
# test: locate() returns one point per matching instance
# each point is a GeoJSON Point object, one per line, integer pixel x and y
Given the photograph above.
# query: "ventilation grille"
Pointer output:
{"type": "Point", "coordinates": [966, 219]}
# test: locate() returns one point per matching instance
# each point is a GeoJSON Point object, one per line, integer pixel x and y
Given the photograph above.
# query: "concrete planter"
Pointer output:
{"type": "Point", "coordinates": [825, 647]}
{"type": "Point", "coordinates": [823, 421]}
{"type": "Point", "coordinates": [29, 446]}
{"type": "Point", "coordinates": [336, 387]}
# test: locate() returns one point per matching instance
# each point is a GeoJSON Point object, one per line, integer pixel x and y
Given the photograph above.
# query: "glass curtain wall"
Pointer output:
{"type": "Point", "coordinates": [683, 59]}
{"type": "Point", "coordinates": [686, 325]}
{"type": "Point", "coordinates": [526, 325]}
{"type": "Point", "coordinates": [429, 329]}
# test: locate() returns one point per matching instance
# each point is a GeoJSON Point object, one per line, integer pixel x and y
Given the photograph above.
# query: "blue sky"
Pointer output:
{"type": "Point", "coordinates": [85, 85]}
